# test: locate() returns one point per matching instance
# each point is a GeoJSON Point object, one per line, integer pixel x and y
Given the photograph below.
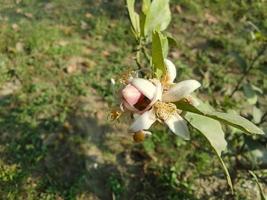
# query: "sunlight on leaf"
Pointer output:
{"type": "Point", "coordinates": [145, 6]}
{"type": "Point", "coordinates": [158, 53]}
{"type": "Point", "coordinates": [210, 128]}
{"type": "Point", "coordinates": [134, 17]}
{"type": "Point", "coordinates": [230, 119]}
{"type": "Point", "coordinates": [213, 132]}
{"type": "Point", "coordinates": [236, 121]}
{"type": "Point", "coordinates": [158, 16]}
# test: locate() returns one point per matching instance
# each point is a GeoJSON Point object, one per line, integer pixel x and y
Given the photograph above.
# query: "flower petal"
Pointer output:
{"type": "Point", "coordinates": [129, 107]}
{"type": "Point", "coordinates": [147, 88]}
{"type": "Point", "coordinates": [148, 133]}
{"type": "Point", "coordinates": [158, 93]}
{"type": "Point", "coordinates": [131, 94]}
{"type": "Point", "coordinates": [144, 121]}
{"type": "Point", "coordinates": [171, 70]}
{"type": "Point", "coordinates": [178, 126]}
{"type": "Point", "coordinates": [157, 96]}
{"type": "Point", "coordinates": [180, 90]}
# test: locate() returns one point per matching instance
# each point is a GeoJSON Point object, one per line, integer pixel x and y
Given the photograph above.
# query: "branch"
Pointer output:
{"type": "Point", "coordinates": [252, 64]}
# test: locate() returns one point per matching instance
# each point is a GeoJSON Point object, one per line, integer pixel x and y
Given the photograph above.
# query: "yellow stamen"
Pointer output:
{"type": "Point", "coordinates": [125, 76]}
{"type": "Point", "coordinates": [114, 115]}
{"type": "Point", "coordinates": [164, 110]}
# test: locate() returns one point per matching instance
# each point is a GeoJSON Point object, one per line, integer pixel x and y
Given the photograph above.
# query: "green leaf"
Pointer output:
{"type": "Point", "coordinates": [257, 114]}
{"type": "Point", "coordinates": [165, 46]}
{"type": "Point", "coordinates": [250, 94]}
{"type": "Point", "coordinates": [210, 128]}
{"type": "Point", "coordinates": [263, 197]}
{"type": "Point", "coordinates": [158, 54]}
{"type": "Point", "coordinates": [142, 23]}
{"type": "Point", "coordinates": [228, 118]}
{"type": "Point", "coordinates": [171, 40]}
{"type": "Point", "coordinates": [236, 121]}
{"type": "Point", "coordinates": [134, 17]}
{"type": "Point", "coordinates": [213, 132]}
{"type": "Point", "coordinates": [158, 16]}
{"type": "Point", "coordinates": [202, 108]}
{"type": "Point", "coordinates": [146, 6]}
{"type": "Point", "coordinates": [257, 89]}
{"type": "Point", "coordinates": [228, 177]}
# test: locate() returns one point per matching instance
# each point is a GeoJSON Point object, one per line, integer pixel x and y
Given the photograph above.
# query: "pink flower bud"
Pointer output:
{"type": "Point", "coordinates": [133, 99]}
{"type": "Point", "coordinates": [131, 95]}
{"type": "Point", "coordinates": [139, 95]}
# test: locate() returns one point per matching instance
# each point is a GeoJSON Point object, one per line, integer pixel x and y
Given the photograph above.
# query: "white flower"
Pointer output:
{"type": "Point", "coordinates": [151, 101]}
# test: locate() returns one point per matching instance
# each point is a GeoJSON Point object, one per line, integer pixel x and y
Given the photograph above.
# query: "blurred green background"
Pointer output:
{"type": "Point", "coordinates": [56, 62]}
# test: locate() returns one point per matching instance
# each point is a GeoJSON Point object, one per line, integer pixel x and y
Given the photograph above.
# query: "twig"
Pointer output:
{"type": "Point", "coordinates": [145, 54]}
{"type": "Point", "coordinates": [252, 64]}
{"type": "Point", "coordinates": [141, 49]}
{"type": "Point", "coordinates": [137, 58]}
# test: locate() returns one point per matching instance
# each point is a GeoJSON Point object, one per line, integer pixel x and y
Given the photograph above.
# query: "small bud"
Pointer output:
{"type": "Point", "coordinates": [139, 136]}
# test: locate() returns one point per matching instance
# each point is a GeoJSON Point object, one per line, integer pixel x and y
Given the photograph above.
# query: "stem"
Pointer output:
{"type": "Point", "coordinates": [145, 54]}
{"type": "Point", "coordinates": [138, 56]}
{"type": "Point", "coordinates": [252, 64]}
{"type": "Point", "coordinates": [141, 49]}
{"type": "Point", "coordinates": [137, 59]}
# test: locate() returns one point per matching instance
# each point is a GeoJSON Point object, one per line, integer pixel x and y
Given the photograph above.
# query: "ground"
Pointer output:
{"type": "Point", "coordinates": [57, 59]}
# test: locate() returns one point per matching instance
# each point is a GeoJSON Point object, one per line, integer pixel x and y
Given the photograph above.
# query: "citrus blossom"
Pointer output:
{"type": "Point", "coordinates": [153, 100]}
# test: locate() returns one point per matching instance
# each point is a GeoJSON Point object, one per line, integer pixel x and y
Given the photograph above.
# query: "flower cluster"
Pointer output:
{"type": "Point", "coordinates": [153, 100]}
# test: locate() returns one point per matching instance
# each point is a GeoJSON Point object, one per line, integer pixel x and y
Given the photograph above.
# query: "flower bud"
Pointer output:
{"type": "Point", "coordinates": [131, 95]}
{"type": "Point", "coordinates": [137, 95]}
{"type": "Point", "coordinates": [141, 135]}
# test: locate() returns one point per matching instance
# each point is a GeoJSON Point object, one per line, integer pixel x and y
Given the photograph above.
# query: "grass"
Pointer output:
{"type": "Point", "coordinates": [57, 59]}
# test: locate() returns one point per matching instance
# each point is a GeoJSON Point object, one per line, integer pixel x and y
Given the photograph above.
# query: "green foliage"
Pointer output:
{"type": "Point", "coordinates": [9, 174]}
{"type": "Point", "coordinates": [115, 186]}
{"type": "Point", "coordinates": [213, 132]}
{"type": "Point", "coordinates": [158, 43]}
{"type": "Point", "coordinates": [210, 128]}
{"type": "Point", "coordinates": [237, 121]}
{"type": "Point", "coordinates": [228, 118]}
{"type": "Point", "coordinates": [250, 94]}
{"type": "Point", "coordinates": [145, 6]}
{"type": "Point", "coordinates": [263, 197]}
{"type": "Point", "coordinates": [158, 17]}
{"type": "Point", "coordinates": [134, 17]}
